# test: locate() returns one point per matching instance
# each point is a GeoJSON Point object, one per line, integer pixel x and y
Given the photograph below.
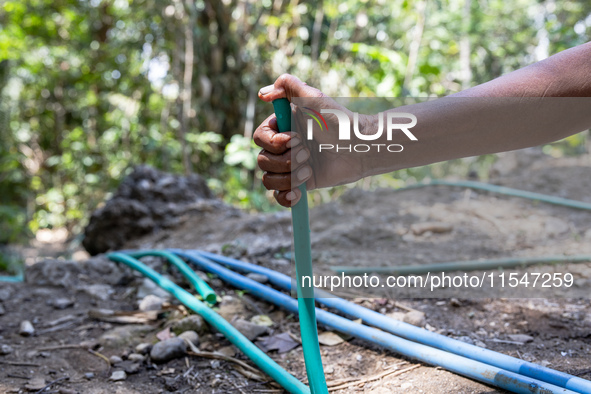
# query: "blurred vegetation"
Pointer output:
{"type": "Point", "coordinates": [89, 88]}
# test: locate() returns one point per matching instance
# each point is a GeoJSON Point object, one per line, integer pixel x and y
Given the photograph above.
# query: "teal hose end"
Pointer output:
{"type": "Point", "coordinates": [198, 284]}
{"type": "Point", "coordinates": [303, 260]}
{"type": "Point", "coordinates": [282, 109]}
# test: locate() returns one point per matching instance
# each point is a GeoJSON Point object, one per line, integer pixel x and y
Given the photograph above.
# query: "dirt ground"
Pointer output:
{"type": "Point", "coordinates": [362, 228]}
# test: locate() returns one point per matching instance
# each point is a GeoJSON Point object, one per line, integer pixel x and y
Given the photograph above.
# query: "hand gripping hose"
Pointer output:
{"type": "Point", "coordinates": [303, 263]}
{"type": "Point", "coordinates": [416, 334]}
{"type": "Point", "coordinates": [264, 362]}
{"type": "Point", "coordinates": [452, 362]}
{"type": "Point", "coordinates": [198, 284]}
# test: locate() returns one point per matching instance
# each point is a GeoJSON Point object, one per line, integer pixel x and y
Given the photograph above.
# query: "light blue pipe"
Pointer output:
{"type": "Point", "coordinates": [417, 334]}
{"type": "Point", "coordinates": [461, 365]}
{"type": "Point", "coordinates": [12, 279]}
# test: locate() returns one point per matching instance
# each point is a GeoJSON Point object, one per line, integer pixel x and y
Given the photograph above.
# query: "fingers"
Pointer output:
{"type": "Point", "coordinates": [288, 198]}
{"type": "Point", "coordinates": [287, 181]}
{"type": "Point", "coordinates": [288, 86]}
{"type": "Point", "coordinates": [268, 137]}
{"type": "Point", "coordinates": [285, 162]}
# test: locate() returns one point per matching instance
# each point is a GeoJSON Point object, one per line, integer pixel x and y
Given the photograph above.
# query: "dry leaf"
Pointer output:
{"type": "Point", "coordinates": [281, 342]}
{"type": "Point", "coordinates": [329, 338]}
{"type": "Point", "coordinates": [262, 320]}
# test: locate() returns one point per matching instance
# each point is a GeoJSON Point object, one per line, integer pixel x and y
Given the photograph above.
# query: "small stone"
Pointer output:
{"type": "Point", "coordinates": [62, 303]}
{"type": "Point", "coordinates": [118, 376]}
{"type": "Point", "coordinates": [168, 350]}
{"type": "Point", "coordinates": [190, 336]}
{"type": "Point", "coordinates": [5, 293]}
{"type": "Point", "coordinates": [143, 348]}
{"type": "Point", "coordinates": [89, 375]}
{"type": "Point", "coordinates": [26, 329]}
{"type": "Point", "coordinates": [5, 349]}
{"type": "Point", "coordinates": [416, 318]}
{"type": "Point", "coordinates": [455, 302]}
{"type": "Point", "coordinates": [248, 329]}
{"type": "Point", "coordinates": [99, 291]}
{"type": "Point", "coordinates": [230, 306]}
{"type": "Point", "coordinates": [129, 367]}
{"type": "Point", "coordinates": [121, 336]}
{"type": "Point", "coordinates": [148, 287]}
{"type": "Point", "coordinates": [521, 338]}
{"type": "Point", "coordinates": [2, 310]}
{"type": "Point", "coordinates": [151, 303]}
{"type": "Point", "coordinates": [136, 357]}
{"type": "Point", "coordinates": [258, 277]}
{"type": "Point", "coordinates": [396, 315]}
{"type": "Point", "coordinates": [466, 339]}
{"type": "Point", "coordinates": [172, 384]}
{"type": "Point", "coordinates": [115, 359]}
{"type": "Point", "coordinates": [190, 323]}
{"type": "Point", "coordinates": [35, 384]}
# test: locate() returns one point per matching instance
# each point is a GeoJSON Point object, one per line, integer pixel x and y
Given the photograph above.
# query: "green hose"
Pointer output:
{"type": "Point", "coordinates": [303, 262]}
{"type": "Point", "coordinates": [199, 284]}
{"type": "Point", "coordinates": [473, 265]}
{"type": "Point", "coordinates": [506, 191]}
{"type": "Point", "coordinates": [264, 362]}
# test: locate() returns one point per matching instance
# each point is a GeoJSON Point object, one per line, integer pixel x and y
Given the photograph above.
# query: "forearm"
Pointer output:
{"type": "Point", "coordinates": [538, 104]}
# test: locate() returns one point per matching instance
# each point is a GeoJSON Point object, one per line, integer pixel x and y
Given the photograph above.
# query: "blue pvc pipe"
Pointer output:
{"type": "Point", "coordinates": [461, 365]}
{"type": "Point", "coordinates": [417, 334]}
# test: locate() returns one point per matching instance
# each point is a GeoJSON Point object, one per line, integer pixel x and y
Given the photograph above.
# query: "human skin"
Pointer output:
{"type": "Point", "coordinates": [511, 112]}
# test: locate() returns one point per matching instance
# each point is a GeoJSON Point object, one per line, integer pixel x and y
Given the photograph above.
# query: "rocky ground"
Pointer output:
{"type": "Point", "coordinates": [96, 327]}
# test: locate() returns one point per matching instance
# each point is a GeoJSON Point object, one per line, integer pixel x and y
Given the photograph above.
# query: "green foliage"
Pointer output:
{"type": "Point", "coordinates": [89, 88]}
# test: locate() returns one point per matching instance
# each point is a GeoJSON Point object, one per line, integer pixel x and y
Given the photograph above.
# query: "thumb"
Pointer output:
{"type": "Point", "coordinates": [288, 86]}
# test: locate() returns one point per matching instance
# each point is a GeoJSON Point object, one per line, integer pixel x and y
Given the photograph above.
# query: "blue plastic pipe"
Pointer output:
{"type": "Point", "coordinates": [303, 263]}
{"type": "Point", "coordinates": [461, 365]}
{"type": "Point", "coordinates": [417, 334]}
{"type": "Point", "coordinates": [264, 362]}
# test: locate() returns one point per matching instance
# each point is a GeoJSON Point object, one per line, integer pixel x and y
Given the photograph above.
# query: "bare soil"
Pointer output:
{"type": "Point", "coordinates": [362, 228]}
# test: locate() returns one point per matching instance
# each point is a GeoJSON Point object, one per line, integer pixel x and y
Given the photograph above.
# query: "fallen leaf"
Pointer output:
{"type": "Point", "coordinates": [164, 334]}
{"type": "Point", "coordinates": [281, 342]}
{"type": "Point", "coordinates": [329, 338]}
{"type": "Point", "coordinates": [262, 320]}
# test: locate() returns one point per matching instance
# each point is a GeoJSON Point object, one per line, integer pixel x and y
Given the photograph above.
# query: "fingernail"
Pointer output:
{"type": "Point", "coordinates": [292, 142]}
{"type": "Point", "coordinates": [302, 156]}
{"type": "Point", "coordinates": [304, 173]}
{"type": "Point", "coordinates": [290, 196]}
{"type": "Point", "coordinates": [266, 89]}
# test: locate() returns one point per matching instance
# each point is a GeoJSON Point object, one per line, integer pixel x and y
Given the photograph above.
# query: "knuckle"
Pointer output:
{"type": "Point", "coordinates": [284, 78]}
